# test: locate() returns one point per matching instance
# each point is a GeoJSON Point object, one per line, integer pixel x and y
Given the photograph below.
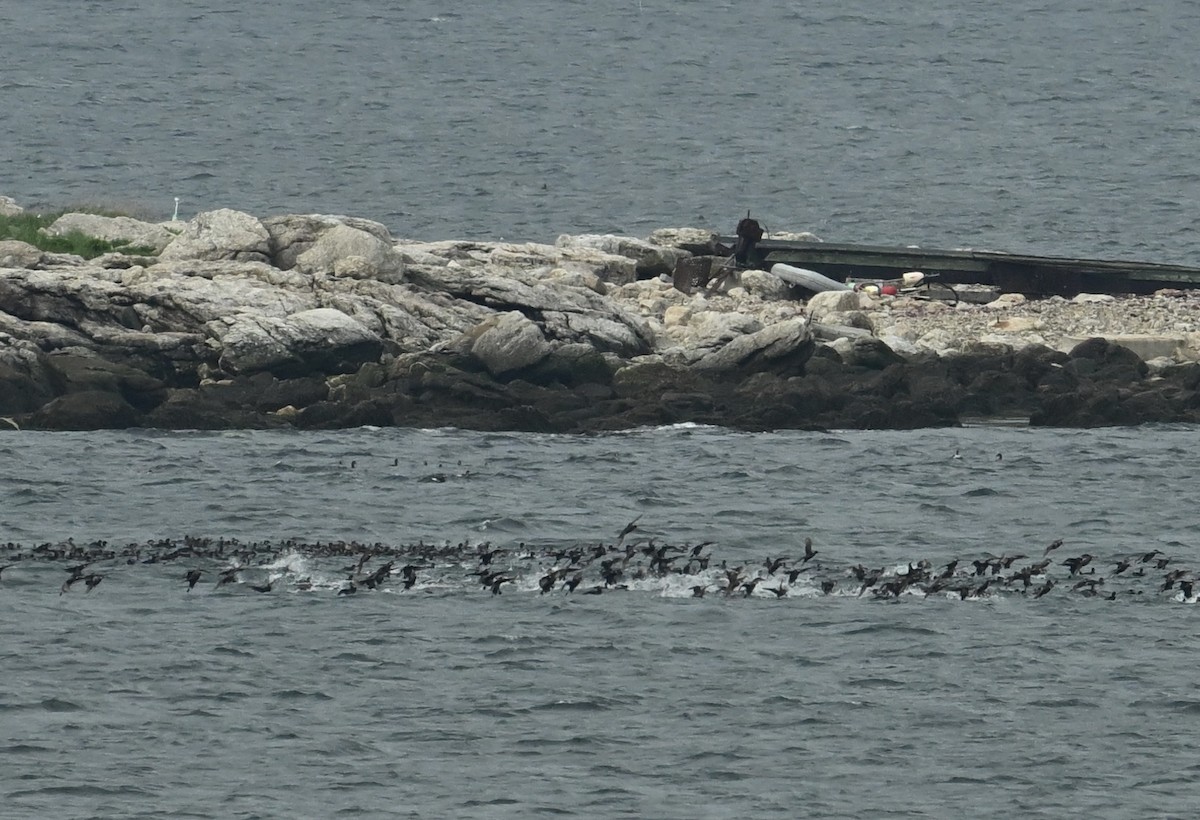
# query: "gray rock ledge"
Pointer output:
{"type": "Point", "coordinates": [328, 321]}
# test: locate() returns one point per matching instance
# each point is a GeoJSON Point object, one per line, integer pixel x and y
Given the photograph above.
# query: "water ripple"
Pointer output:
{"type": "Point", "coordinates": [630, 702]}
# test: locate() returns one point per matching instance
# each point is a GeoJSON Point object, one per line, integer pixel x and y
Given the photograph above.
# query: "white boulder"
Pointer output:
{"type": "Point", "coordinates": [651, 259]}
{"type": "Point", "coordinates": [352, 253]}
{"type": "Point", "coordinates": [506, 343]}
{"type": "Point", "coordinates": [221, 234]}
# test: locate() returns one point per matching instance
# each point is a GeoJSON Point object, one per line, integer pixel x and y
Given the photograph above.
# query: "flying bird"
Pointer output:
{"type": "Point", "coordinates": [629, 528]}
{"type": "Point", "coordinates": [809, 552]}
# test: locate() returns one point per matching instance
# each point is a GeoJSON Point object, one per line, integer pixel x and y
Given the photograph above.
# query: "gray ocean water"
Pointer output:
{"type": "Point", "coordinates": [141, 699]}
{"type": "Point", "coordinates": [1050, 127]}
{"type": "Point", "coordinates": [1047, 126]}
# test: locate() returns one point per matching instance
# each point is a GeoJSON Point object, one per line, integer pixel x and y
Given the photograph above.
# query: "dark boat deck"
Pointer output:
{"type": "Point", "coordinates": [1010, 272]}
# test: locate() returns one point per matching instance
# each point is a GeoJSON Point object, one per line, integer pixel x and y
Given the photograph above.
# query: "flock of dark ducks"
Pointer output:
{"type": "Point", "coordinates": [629, 562]}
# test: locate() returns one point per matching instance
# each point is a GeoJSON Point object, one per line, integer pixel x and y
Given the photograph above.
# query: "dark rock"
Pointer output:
{"type": "Point", "coordinates": [769, 415]}
{"type": "Point", "coordinates": [931, 385]}
{"type": "Point", "coordinates": [594, 416]}
{"type": "Point", "coordinates": [873, 354]}
{"type": "Point", "coordinates": [239, 391]}
{"type": "Point", "coordinates": [814, 400]}
{"type": "Point", "coordinates": [1035, 362]}
{"type": "Point", "coordinates": [69, 373]}
{"type": "Point", "coordinates": [23, 388]}
{"type": "Point", "coordinates": [322, 359]}
{"type": "Point", "coordinates": [474, 392]}
{"type": "Point", "coordinates": [207, 409]}
{"type": "Point", "coordinates": [827, 352]}
{"type": "Point", "coordinates": [906, 414]}
{"type": "Point", "coordinates": [1100, 359]}
{"type": "Point", "coordinates": [966, 369]}
{"type": "Point", "coordinates": [997, 393]}
{"type": "Point", "coordinates": [650, 380]}
{"type": "Point", "coordinates": [375, 413]}
{"type": "Point", "coordinates": [1186, 375]}
{"type": "Point", "coordinates": [367, 382]}
{"type": "Point", "coordinates": [1062, 379]}
{"type": "Point", "coordinates": [881, 384]}
{"type": "Point", "coordinates": [552, 401]}
{"type": "Point", "coordinates": [319, 416]}
{"type": "Point", "coordinates": [1089, 406]}
{"type": "Point", "coordinates": [292, 392]}
{"type": "Point", "coordinates": [825, 366]}
{"type": "Point", "coordinates": [85, 410]}
{"type": "Point", "coordinates": [571, 366]}
{"type": "Point", "coordinates": [1143, 406]}
{"type": "Point", "coordinates": [861, 413]}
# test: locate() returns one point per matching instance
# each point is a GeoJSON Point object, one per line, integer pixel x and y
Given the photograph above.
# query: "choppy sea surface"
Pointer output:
{"type": "Point", "coordinates": [1043, 126]}
{"type": "Point", "coordinates": [141, 699]}
{"type": "Point", "coordinates": [1049, 127]}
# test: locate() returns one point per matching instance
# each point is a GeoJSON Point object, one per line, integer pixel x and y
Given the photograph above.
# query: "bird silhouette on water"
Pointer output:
{"type": "Point", "coordinates": [589, 567]}
{"type": "Point", "coordinates": [794, 573]}
{"type": "Point", "coordinates": [409, 573]}
{"type": "Point", "coordinates": [91, 581]}
{"type": "Point", "coordinates": [546, 582]}
{"type": "Point", "coordinates": [76, 574]}
{"type": "Point", "coordinates": [1076, 564]}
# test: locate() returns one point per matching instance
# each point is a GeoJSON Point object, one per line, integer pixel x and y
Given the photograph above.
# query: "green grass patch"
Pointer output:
{"type": "Point", "coordinates": [27, 228]}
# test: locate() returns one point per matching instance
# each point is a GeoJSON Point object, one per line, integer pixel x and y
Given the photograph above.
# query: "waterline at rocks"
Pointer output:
{"type": "Point", "coordinates": [318, 321]}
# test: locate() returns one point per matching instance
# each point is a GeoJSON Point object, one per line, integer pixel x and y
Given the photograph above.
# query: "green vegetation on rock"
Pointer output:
{"type": "Point", "coordinates": [27, 226]}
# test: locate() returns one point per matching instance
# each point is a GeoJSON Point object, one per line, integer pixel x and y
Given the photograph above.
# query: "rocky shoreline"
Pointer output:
{"type": "Point", "coordinates": [318, 321]}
